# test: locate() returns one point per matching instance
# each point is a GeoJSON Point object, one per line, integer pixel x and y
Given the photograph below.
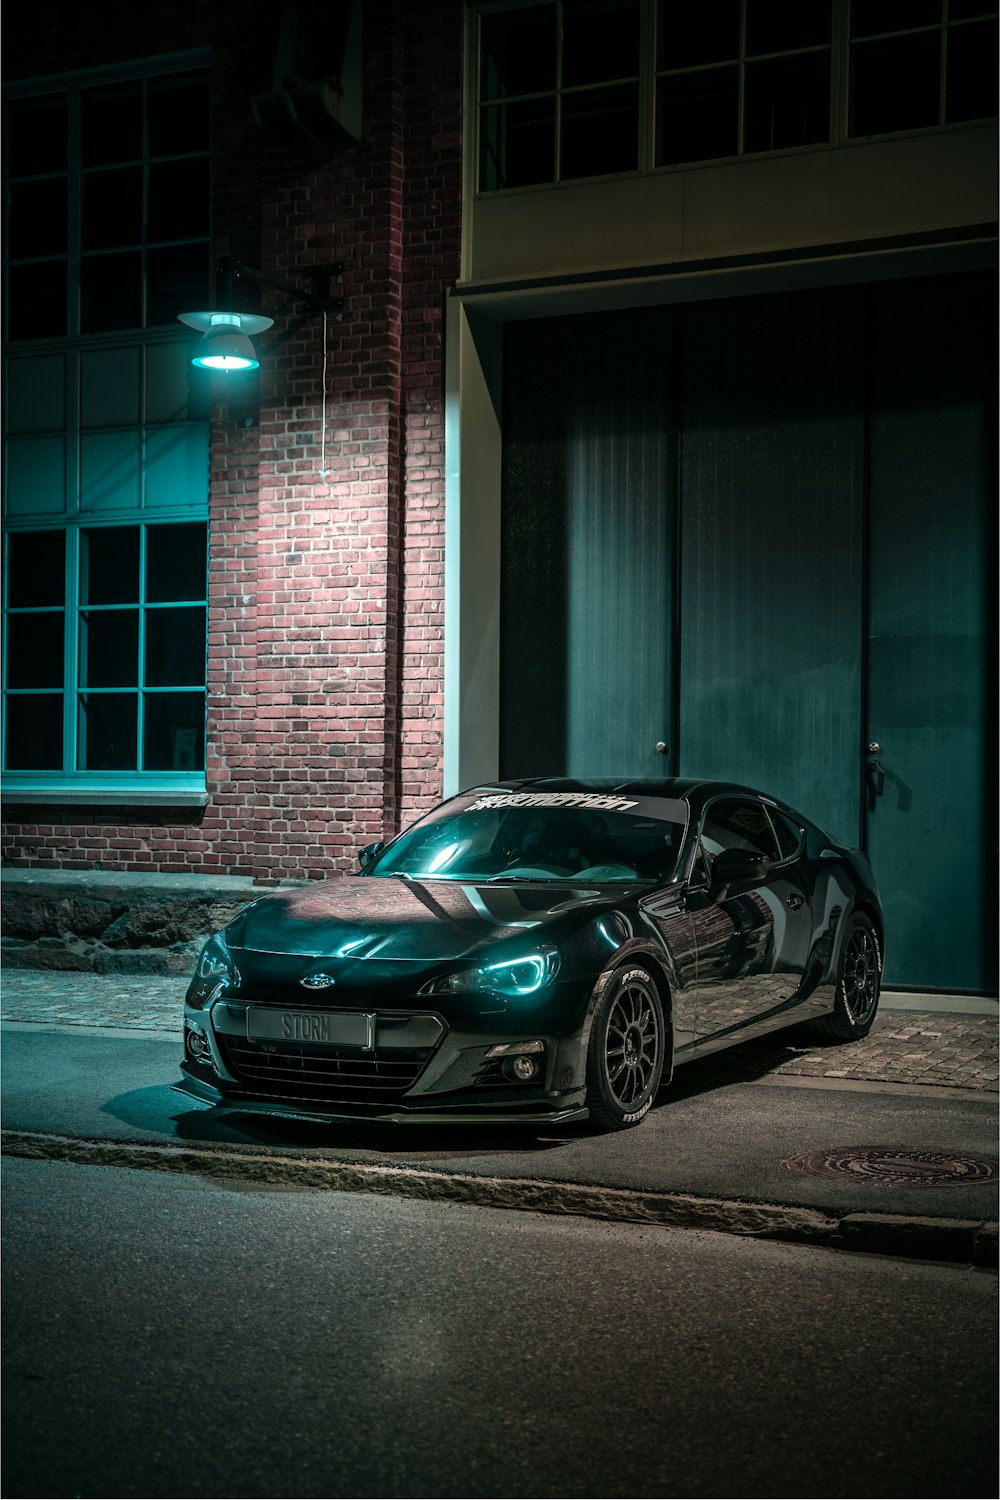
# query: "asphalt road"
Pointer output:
{"type": "Point", "coordinates": [710, 1136]}
{"type": "Point", "coordinates": [170, 1337]}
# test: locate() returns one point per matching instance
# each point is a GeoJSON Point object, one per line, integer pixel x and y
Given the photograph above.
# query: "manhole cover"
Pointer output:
{"type": "Point", "coordinates": [896, 1168]}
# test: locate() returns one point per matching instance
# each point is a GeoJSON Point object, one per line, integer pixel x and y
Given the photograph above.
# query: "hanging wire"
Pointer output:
{"type": "Point", "coordinates": [322, 453]}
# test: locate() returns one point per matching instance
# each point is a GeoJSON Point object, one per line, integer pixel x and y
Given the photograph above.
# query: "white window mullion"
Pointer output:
{"type": "Point", "coordinates": [943, 74]}
{"type": "Point", "coordinates": [840, 41]}
{"type": "Point", "coordinates": [647, 85]}
{"type": "Point", "coordinates": [742, 80]}
{"type": "Point", "coordinates": [557, 164]}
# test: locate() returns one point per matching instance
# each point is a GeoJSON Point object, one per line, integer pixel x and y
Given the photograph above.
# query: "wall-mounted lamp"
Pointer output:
{"type": "Point", "coordinates": [225, 344]}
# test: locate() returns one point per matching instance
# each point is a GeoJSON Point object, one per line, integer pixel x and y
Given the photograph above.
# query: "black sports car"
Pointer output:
{"type": "Point", "coordinates": [537, 951]}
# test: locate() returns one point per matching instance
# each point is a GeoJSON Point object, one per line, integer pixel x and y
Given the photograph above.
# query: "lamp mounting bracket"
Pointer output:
{"type": "Point", "coordinates": [315, 298]}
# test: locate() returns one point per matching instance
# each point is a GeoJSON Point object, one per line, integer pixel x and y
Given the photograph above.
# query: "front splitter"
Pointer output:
{"type": "Point", "coordinates": [206, 1095]}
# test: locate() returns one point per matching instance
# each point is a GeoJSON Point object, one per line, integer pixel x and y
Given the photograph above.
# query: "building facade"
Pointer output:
{"type": "Point", "coordinates": [265, 720]}
{"type": "Point", "coordinates": [628, 409]}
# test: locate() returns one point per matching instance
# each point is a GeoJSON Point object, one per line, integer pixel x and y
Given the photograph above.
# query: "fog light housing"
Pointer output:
{"type": "Point", "coordinates": [196, 1045]}
{"type": "Point", "coordinates": [520, 1069]}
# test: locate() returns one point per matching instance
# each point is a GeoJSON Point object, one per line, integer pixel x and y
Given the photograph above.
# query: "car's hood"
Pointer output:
{"type": "Point", "coordinates": [351, 918]}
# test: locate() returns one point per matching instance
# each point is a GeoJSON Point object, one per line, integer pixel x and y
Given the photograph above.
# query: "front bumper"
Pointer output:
{"type": "Point", "coordinates": [389, 1065]}
{"type": "Point", "coordinates": [421, 1114]}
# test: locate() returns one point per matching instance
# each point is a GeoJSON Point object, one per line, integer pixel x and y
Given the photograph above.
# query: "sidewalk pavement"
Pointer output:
{"type": "Point", "coordinates": [937, 1048]}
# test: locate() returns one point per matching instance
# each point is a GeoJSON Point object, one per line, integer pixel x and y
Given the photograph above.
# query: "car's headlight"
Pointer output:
{"type": "Point", "coordinates": [215, 970]}
{"type": "Point", "coordinates": [525, 975]}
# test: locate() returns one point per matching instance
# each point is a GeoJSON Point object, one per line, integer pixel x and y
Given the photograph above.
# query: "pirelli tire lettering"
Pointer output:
{"type": "Point", "coordinates": [626, 1049]}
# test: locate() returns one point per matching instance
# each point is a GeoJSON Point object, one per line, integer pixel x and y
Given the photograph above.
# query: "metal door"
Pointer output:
{"type": "Point", "coordinates": [772, 545]}
{"type": "Point", "coordinates": [819, 579]}
{"type": "Point", "coordinates": [931, 783]}
{"type": "Point", "coordinates": [588, 545]}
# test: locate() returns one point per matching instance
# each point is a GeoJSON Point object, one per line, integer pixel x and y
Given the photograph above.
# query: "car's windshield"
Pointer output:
{"type": "Point", "coordinates": [582, 836]}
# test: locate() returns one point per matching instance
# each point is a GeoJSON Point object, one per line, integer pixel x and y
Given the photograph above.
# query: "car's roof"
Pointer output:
{"type": "Point", "coordinates": [696, 790]}
{"type": "Point", "coordinates": [645, 786]}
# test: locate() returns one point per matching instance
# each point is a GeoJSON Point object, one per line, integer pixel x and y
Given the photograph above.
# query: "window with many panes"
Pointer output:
{"type": "Point", "coordinates": [737, 77]}
{"type": "Point", "coordinates": [105, 494]}
{"type": "Point", "coordinates": [559, 92]}
{"type": "Point", "coordinates": [588, 88]}
{"type": "Point", "coordinates": [920, 63]}
{"type": "Point", "coordinates": [123, 608]}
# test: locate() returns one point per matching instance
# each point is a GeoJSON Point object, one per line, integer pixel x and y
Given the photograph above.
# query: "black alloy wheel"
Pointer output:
{"type": "Point", "coordinates": [859, 982]}
{"type": "Point", "coordinates": [625, 1056]}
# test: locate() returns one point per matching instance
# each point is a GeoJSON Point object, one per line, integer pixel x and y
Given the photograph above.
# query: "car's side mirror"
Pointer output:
{"type": "Point", "coordinates": [737, 866]}
{"type": "Point", "coordinates": [369, 854]}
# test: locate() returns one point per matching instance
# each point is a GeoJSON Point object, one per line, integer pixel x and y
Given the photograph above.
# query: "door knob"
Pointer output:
{"type": "Point", "coordinates": [661, 747]}
{"type": "Point", "coordinates": [874, 748]}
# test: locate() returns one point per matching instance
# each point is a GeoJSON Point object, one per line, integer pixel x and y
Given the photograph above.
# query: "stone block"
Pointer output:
{"type": "Point", "coordinates": [114, 925]}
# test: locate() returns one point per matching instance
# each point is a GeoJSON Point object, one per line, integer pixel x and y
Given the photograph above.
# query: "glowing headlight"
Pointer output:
{"type": "Point", "coordinates": [525, 975]}
{"type": "Point", "coordinates": [216, 970]}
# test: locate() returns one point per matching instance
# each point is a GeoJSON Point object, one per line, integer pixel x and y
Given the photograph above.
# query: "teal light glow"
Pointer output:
{"type": "Point", "coordinates": [523, 977]}
{"type": "Point", "coordinates": [514, 977]}
{"type": "Point", "coordinates": [442, 858]}
{"type": "Point", "coordinates": [225, 343]}
{"type": "Point", "coordinates": [215, 972]}
{"type": "Point", "coordinates": [605, 934]}
{"type": "Point", "coordinates": [225, 347]}
{"type": "Point", "coordinates": [346, 948]}
{"type": "Point", "coordinates": [225, 362]}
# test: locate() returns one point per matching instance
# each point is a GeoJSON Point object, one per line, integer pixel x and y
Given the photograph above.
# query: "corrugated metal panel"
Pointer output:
{"type": "Point", "coordinates": [772, 459]}
{"type": "Point", "coordinates": [932, 702]}
{"type": "Point", "coordinates": [588, 524]}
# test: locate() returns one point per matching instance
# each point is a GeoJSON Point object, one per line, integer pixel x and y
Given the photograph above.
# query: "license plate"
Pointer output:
{"type": "Point", "coordinates": [334, 1029]}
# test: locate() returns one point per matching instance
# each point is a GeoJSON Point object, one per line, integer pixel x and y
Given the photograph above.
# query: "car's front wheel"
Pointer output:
{"type": "Point", "coordinates": [859, 981]}
{"type": "Point", "coordinates": [625, 1056]}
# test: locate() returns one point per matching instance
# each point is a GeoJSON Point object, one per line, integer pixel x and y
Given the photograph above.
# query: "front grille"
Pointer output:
{"type": "Point", "coordinates": [330, 1075]}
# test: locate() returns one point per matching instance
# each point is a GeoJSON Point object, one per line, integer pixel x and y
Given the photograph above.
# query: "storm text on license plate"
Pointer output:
{"type": "Point", "coordinates": [337, 1029]}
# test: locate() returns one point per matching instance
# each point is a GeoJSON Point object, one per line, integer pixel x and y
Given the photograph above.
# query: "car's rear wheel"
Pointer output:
{"type": "Point", "coordinates": [627, 1048]}
{"type": "Point", "coordinates": [859, 982]}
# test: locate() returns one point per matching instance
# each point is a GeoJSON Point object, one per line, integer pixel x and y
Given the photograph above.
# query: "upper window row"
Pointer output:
{"type": "Point", "coordinates": [107, 214]}
{"type": "Point", "coordinates": [587, 88]}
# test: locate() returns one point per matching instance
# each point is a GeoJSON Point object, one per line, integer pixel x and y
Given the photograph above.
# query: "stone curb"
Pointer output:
{"type": "Point", "coordinates": [961, 1241]}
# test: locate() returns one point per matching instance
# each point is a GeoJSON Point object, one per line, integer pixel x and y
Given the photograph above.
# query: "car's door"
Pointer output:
{"type": "Point", "coordinates": [754, 935]}
{"type": "Point", "coordinates": [790, 885]}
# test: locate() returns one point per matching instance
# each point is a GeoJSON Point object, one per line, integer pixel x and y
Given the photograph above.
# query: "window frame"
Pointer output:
{"type": "Point", "coordinates": [944, 26]}
{"type": "Point", "coordinates": [840, 88]}
{"type": "Point", "coordinates": [557, 93]}
{"type": "Point", "coordinates": [741, 61]}
{"type": "Point", "coordinates": [775, 813]}
{"type": "Point", "coordinates": [740, 799]}
{"type": "Point", "coordinates": [72, 86]}
{"type": "Point", "coordinates": [69, 784]}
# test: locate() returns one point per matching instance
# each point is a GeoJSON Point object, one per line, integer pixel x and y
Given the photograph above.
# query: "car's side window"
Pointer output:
{"type": "Point", "coordinates": [789, 836]}
{"type": "Point", "coordinates": [701, 873]}
{"type": "Point", "coordinates": [737, 823]}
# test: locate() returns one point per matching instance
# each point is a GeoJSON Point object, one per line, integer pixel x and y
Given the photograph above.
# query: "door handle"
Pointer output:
{"type": "Point", "coordinates": [875, 769]}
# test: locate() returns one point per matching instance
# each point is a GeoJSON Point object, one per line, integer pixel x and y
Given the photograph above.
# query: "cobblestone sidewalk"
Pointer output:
{"type": "Point", "coordinates": [147, 1002]}
{"type": "Point", "coordinates": [907, 1047]}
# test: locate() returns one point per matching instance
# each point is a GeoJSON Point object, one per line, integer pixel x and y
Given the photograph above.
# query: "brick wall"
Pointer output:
{"type": "Point", "coordinates": [326, 563]}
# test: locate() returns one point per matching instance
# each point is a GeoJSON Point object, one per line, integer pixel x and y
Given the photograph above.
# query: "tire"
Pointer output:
{"type": "Point", "coordinates": [627, 1049]}
{"type": "Point", "coordinates": [859, 979]}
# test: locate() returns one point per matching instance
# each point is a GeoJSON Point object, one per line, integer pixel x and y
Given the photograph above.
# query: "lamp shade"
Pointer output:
{"type": "Point", "coordinates": [225, 344]}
